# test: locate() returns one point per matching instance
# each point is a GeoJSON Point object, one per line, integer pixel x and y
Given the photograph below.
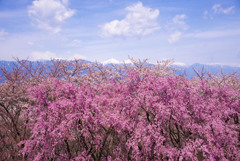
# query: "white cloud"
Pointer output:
{"type": "Point", "coordinates": [3, 34]}
{"type": "Point", "coordinates": [47, 55]}
{"type": "Point", "coordinates": [177, 23]}
{"type": "Point", "coordinates": [217, 9]}
{"type": "Point", "coordinates": [207, 15]}
{"type": "Point", "coordinates": [139, 21]}
{"type": "Point", "coordinates": [49, 14]}
{"type": "Point", "coordinates": [176, 28]}
{"type": "Point", "coordinates": [174, 37]}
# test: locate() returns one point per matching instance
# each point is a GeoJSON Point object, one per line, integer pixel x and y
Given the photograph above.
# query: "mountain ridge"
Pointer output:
{"type": "Point", "coordinates": [181, 69]}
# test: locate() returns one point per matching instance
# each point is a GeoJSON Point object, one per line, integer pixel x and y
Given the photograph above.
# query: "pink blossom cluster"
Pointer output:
{"type": "Point", "coordinates": [137, 117]}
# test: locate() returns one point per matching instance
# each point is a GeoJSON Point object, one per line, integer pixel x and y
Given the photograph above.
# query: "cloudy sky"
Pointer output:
{"type": "Point", "coordinates": [188, 31]}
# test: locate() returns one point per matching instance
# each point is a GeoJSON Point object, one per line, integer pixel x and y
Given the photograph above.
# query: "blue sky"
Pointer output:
{"type": "Point", "coordinates": [196, 31]}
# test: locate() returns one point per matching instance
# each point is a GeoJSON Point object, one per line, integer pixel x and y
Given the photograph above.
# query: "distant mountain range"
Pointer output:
{"type": "Point", "coordinates": [209, 68]}
{"type": "Point", "coordinates": [189, 70]}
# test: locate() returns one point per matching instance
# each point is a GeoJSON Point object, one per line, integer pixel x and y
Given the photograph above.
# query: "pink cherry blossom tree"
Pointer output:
{"type": "Point", "coordinates": [140, 117]}
{"type": "Point", "coordinates": [73, 110]}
